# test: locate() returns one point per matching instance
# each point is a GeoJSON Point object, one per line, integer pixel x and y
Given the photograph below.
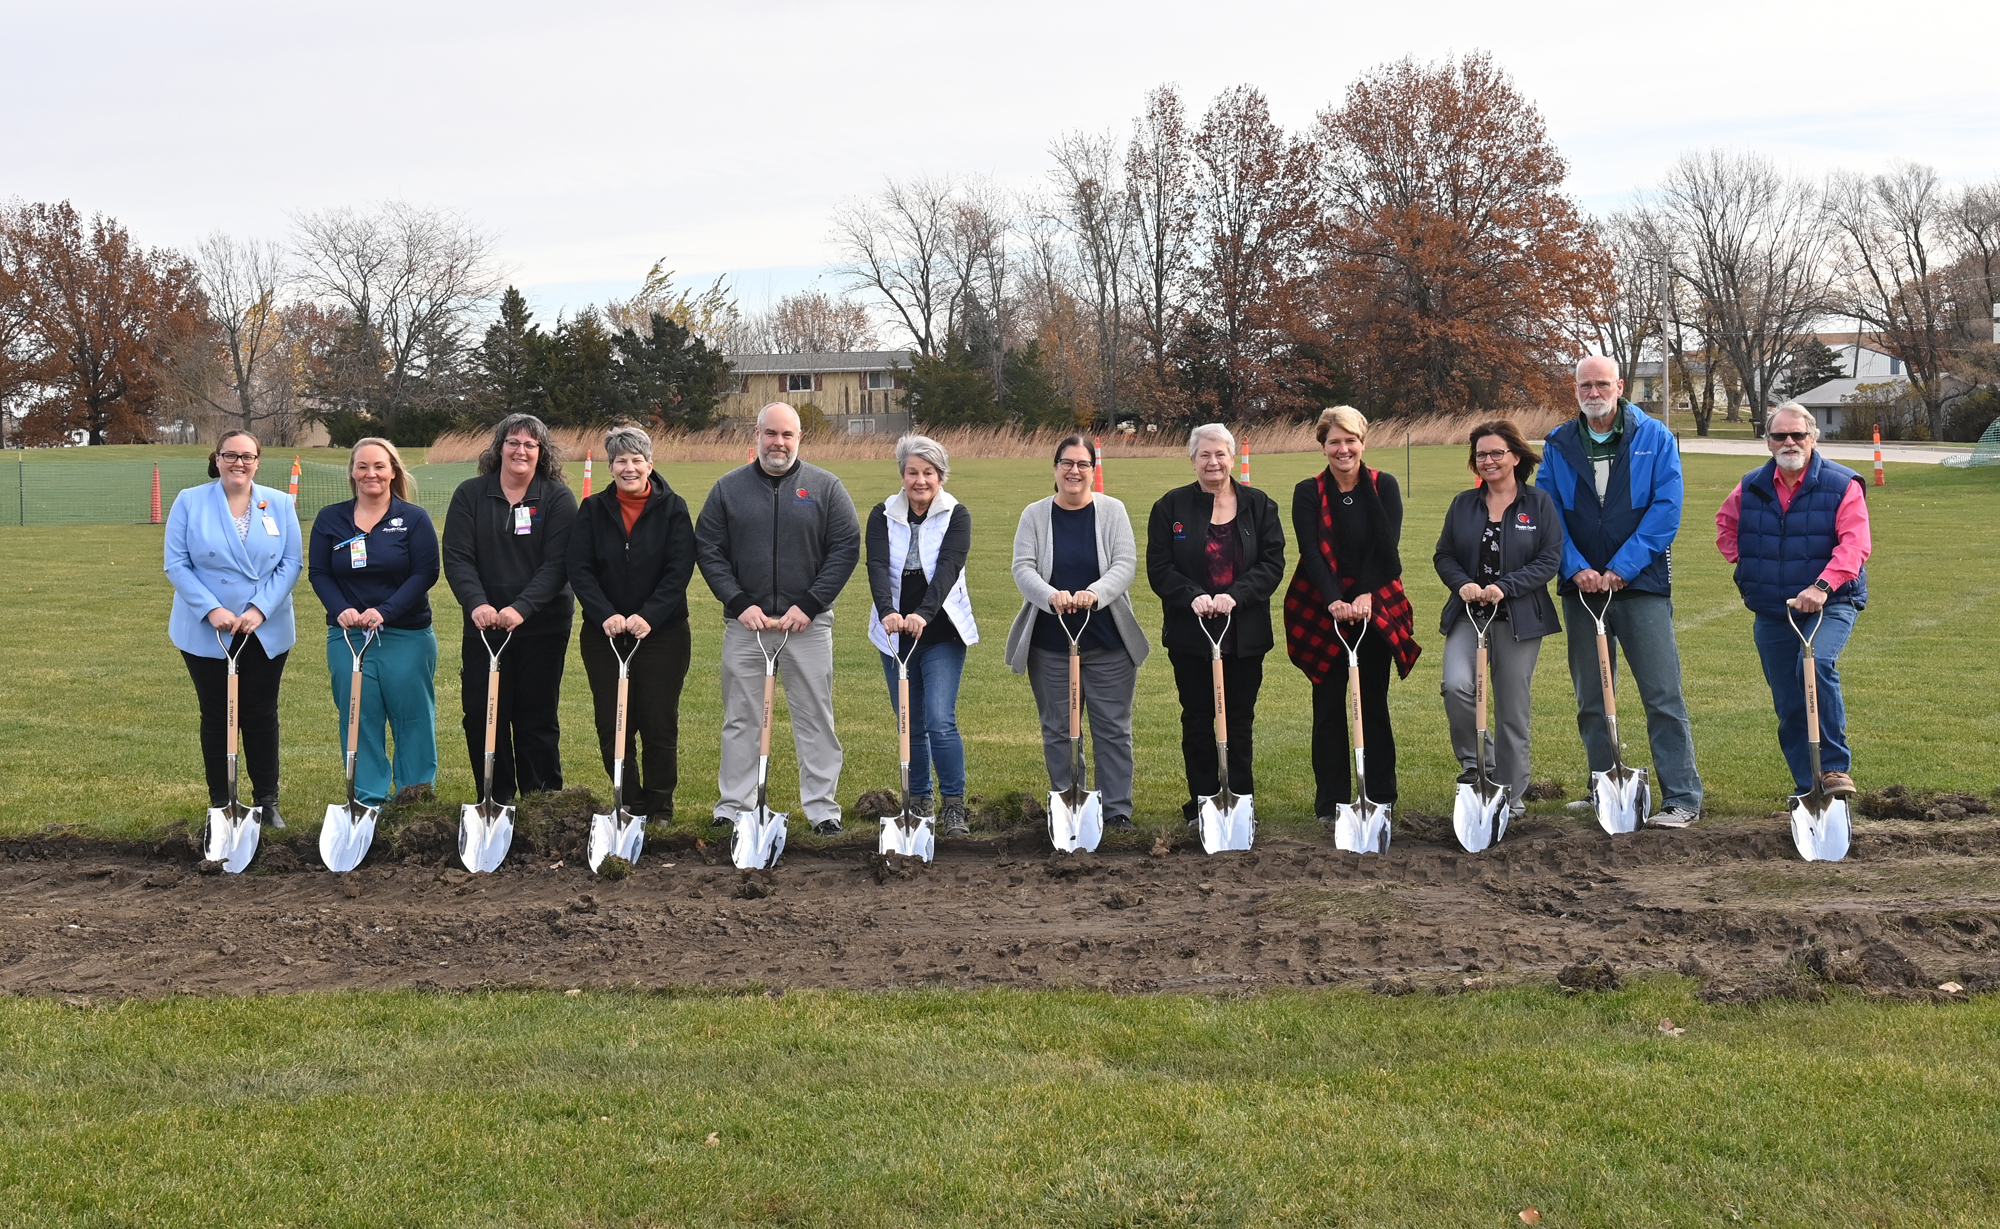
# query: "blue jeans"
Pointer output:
{"type": "Point", "coordinates": [934, 738]}
{"type": "Point", "coordinates": [1785, 670]}
{"type": "Point", "coordinates": [1642, 627]}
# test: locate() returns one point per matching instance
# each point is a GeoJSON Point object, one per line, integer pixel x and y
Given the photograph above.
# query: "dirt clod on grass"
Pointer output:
{"type": "Point", "coordinates": [1914, 906]}
{"type": "Point", "coordinates": [1900, 802]}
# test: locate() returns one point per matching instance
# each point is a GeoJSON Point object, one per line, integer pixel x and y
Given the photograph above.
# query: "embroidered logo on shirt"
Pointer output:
{"type": "Point", "coordinates": [803, 494]}
{"type": "Point", "coordinates": [396, 521]}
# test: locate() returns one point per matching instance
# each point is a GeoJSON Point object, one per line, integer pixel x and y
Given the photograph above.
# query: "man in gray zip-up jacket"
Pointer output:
{"type": "Point", "coordinates": [776, 543]}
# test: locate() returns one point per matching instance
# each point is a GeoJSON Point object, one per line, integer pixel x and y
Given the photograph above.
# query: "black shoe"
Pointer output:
{"type": "Point", "coordinates": [827, 827]}
{"type": "Point", "coordinates": [722, 821]}
{"type": "Point", "coordinates": [1191, 812]}
{"type": "Point", "coordinates": [1469, 777]}
{"type": "Point", "coordinates": [268, 814]}
{"type": "Point", "coordinates": [1122, 823]}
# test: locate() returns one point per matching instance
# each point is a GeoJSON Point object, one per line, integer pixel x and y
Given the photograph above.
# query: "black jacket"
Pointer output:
{"type": "Point", "coordinates": [1177, 567]}
{"type": "Point", "coordinates": [488, 564]}
{"type": "Point", "coordinates": [1368, 559]}
{"type": "Point", "coordinates": [1531, 543]}
{"type": "Point", "coordinates": [643, 573]}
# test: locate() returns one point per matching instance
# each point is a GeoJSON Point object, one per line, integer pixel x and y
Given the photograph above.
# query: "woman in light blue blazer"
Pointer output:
{"type": "Point", "coordinates": [233, 554]}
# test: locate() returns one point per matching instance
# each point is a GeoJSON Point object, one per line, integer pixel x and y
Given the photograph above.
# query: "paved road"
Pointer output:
{"type": "Point", "coordinates": [1838, 450]}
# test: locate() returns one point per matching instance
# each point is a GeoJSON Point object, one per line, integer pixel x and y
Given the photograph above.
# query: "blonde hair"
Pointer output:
{"type": "Point", "coordinates": [1346, 417]}
{"type": "Point", "coordinates": [401, 485]}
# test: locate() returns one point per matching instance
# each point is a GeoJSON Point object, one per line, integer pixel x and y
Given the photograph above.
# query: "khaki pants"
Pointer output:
{"type": "Point", "coordinates": [805, 670]}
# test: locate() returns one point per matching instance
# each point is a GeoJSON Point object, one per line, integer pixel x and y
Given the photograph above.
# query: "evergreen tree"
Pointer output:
{"type": "Point", "coordinates": [579, 374]}
{"type": "Point", "coordinates": [1813, 364]}
{"type": "Point", "coordinates": [951, 389]}
{"type": "Point", "coordinates": [670, 376]}
{"type": "Point", "coordinates": [1030, 397]}
{"type": "Point", "coordinates": [513, 361]}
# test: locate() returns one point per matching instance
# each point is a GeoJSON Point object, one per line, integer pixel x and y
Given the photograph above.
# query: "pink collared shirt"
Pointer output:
{"type": "Point", "coordinates": [1850, 526]}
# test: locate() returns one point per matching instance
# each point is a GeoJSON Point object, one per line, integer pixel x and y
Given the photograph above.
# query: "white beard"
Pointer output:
{"type": "Point", "coordinates": [1597, 411]}
{"type": "Point", "coordinates": [1791, 462]}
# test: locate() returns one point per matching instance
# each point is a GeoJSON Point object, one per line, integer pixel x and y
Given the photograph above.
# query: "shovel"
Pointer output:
{"type": "Point", "coordinates": [1479, 815]}
{"type": "Point", "coordinates": [1227, 820]}
{"type": "Point", "coordinates": [620, 833]}
{"type": "Point", "coordinates": [759, 838]}
{"type": "Point", "coordinates": [1623, 795]}
{"type": "Point", "coordinates": [1076, 815]}
{"type": "Point", "coordinates": [486, 831]}
{"type": "Point", "coordinates": [908, 834]}
{"type": "Point", "coordinates": [1360, 826]}
{"type": "Point", "coordinates": [233, 828]}
{"type": "Point", "coordinates": [1819, 823]}
{"type": "Point", "coordinates": [347, 831]}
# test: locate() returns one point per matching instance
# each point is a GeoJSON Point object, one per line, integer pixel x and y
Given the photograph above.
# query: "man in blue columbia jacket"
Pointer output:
{"type": "Point", "coordinates": [1616, 474]}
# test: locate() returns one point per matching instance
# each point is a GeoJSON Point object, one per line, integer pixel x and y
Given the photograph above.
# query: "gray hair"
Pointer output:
{"type": "Point", "coordinates": [1793, 407]}
{"type": "Point", "coordinates": [548, 455]}
{"type": "Point", "coordinates": [926, 449]}
{"type": "Point", "coordinates": [1206, 430]}
{"type": "Point", "coordinates": [621, 440]}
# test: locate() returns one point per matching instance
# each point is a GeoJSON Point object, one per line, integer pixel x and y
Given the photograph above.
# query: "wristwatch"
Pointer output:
{"type": "Point", "coordinates": [1822, 586]}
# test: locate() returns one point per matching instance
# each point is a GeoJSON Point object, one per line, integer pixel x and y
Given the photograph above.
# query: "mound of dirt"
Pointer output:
{"type": "Point", "coordinates": [1900, 802]}
{"type": "Point", "coordinates": [1913, 906]}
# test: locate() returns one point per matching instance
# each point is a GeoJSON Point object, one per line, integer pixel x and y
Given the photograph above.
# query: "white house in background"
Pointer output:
{"type": "Point", "coordinates": [860, 393]}
{"type": "Point", "coordinates": [1865, 364]}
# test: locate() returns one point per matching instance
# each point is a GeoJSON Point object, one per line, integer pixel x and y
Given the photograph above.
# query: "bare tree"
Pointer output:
{"type": "Point", "coordinates": [1157, 168]}
{"type": "Point", "coordinates": [809, 322]}
{"type": "Point", "coordinates": [1976, 212]}
{"type": "Point", "coordinates": [414, 280]}
{"type": "Point", "coordinates": [1096, 211]}
{"type": "Point", "coordinates": [1757, 254]}
{"type": "Point", "coordinates": [246, 380]}
{"type": "Point", "coordinates": [1896, 244]}
{"type": "Point", "coordinates": [1639, 304]}
{"type": "Point", "coordinates": [898, 245]}
{"type": "Point", "coordinates": [980, 307]}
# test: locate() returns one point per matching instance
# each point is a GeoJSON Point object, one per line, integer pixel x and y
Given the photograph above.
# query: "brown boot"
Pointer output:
{"type": "Point", "coordinates": [1837, 785]}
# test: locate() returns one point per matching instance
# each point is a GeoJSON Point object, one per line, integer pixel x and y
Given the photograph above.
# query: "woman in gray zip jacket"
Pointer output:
{"type": "Point", "coordinates": [1501, 545]}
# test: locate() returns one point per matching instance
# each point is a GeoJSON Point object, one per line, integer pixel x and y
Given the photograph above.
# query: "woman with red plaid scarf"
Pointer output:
{"type": "Point", "coordinates": [1349, 522]}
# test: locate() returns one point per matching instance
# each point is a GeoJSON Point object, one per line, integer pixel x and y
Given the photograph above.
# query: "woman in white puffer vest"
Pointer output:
{"type": "Point", "coordinates": [917, 541]}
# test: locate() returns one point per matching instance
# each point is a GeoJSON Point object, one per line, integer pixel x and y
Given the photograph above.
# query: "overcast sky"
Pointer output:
{"type": "Point", "coordinates": [595, 138]}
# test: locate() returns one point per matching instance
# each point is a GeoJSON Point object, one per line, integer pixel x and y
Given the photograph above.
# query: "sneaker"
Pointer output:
{"type": "Point", "coordinates": [955, 822]}
{"type": "Point", "coordinates": [1582, 806]}
{"type": "Point", "coordinates": [1673, 817]}
{"type": "Point", "coordinates": [1833, 785]}
{"type": "Point", "coordinates": [827, 827]}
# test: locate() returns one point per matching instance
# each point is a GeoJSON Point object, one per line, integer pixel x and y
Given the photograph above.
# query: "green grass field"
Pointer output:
{"type": "Point", "coordinates": [98, 717]}
{"type": "Point", "coordinates": [1058, 1109]}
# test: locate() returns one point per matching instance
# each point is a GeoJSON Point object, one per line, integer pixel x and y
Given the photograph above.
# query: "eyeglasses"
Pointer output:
{"type": "Point", "coordinates": [236, 458]}
{"type": "Point", "coordinates": [1595, 386]}
{"type": "Point", "coordinates": [1483, 457]}
{"type": "Point", "coordinates": [1073, 466]}
{"type": "Point", "coordinates": [522, 446]}
{"type": "Point", "coordinates": [1794, 437]}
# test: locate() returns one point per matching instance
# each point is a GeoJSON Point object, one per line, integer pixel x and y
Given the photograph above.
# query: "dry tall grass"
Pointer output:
{"type": "Point", "coordinates": [1006, 443]}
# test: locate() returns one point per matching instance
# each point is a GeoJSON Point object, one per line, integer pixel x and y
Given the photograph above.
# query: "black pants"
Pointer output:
{"type": "Point", "coordinates": [652, 711]}
{"type": "Point", "coordinates": [257, 679]}
{"type": "Point", "coordinates": [1194, 678]}
{"type": "Point", "coordinates": [526, 755]}
{"type": "Point", "coordinates": [1333, 758]}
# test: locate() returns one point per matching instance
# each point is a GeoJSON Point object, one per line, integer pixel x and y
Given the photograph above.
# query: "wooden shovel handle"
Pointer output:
{"type": "Point", "coordinates": [770, 695]}
{"type": "Point", "coordinates": [1812, 701]}
{"type": "Point", "coordinates": [1354, 702]}
{"type": "Point", "coordinates": [1221, 714]}
{"type": "Point", "coordinates": [353, 720]}
{"type": "Point", "coordinates": [232, 712]}
{"type": "Point", "coordinates": [903, 717]}
{"type": "Point", "coordinates": [1479, 684]}
{"type": "Point", "coordinates": [492, 707]}
{"type": "Point", "coordinates": [1604, 674]}
{"type": "Point", "coordinates": [618, 747]}
{"type": "Point", "coordinates": [1075, 692]}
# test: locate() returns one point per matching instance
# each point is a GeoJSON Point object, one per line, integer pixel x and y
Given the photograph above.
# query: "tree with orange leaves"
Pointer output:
{"type": "Point", "coordinates": [105, 320]}
{"type": "Point", "coordinates": [1456, 274]}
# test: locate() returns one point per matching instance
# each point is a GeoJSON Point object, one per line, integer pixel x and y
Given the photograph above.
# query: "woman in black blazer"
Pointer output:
{"type": "Point", "coordinates": [1213, 548]}
{"type": "Point", "coordinates": [1502, 544]}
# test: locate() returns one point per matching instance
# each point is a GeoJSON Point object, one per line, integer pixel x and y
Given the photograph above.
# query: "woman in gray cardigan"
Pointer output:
{"type": "Point", "coordinates": [1074, 560]}
{"type": "Point", "coordinates": [1502, 543]}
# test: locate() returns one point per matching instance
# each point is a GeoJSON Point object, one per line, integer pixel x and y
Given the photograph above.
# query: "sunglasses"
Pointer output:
{"type": "Point", "coordinates": [1793, 437]}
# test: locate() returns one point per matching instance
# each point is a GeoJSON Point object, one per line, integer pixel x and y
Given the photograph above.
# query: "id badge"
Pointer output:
{"type": "Point", "coordinates": [524, 519]}
{"type": "Point", "coordinates": [271, 525]}
{"type": "Point", "coordinates": [357, 553]}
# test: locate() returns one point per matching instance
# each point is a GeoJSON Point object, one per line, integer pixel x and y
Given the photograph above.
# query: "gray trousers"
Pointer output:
{"type": "Point", "coordinates": [1109, 678]}
{"type": "Point", "coordinates": [805, 668]}
{"type": "Point", "coordinates": [1507, 701]}
{"type": "Point", "coordinates": [1641, 626]}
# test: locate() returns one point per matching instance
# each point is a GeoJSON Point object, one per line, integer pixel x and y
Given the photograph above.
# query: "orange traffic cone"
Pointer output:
{"type": "Point", "coordinates": [295, 478]}
{"type": "Point", "coordinates": [1878, 455]}
{"type": "Point", "coordinates": [1246, 458]}
{"type": "Point", "coordinates": [586, 473]}
{"type": "Point", "coordinates": [1097, 466]}
{"type": "Point", "coordinates": [156, 496]}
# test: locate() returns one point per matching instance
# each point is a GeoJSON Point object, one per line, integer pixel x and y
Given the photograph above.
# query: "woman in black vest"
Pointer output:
{"type": "Point", "coordinates": [1349, 522]}
{"type": "Point", "coordinates": [1215, 551]}
{"type": "Point", "coordinates": [1501, 545]}
{"type": "Point", "coordinates": [506, 557]}
{"type": "Point", "coordinates": [631, 555]}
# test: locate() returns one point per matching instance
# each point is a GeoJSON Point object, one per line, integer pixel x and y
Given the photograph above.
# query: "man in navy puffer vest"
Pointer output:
{"type": "Point", "coordinates": [1615, 472]}
{"type": "Point", "coordinates": [1796, 528]}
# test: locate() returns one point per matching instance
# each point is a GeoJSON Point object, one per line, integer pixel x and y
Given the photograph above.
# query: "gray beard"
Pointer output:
{"type": "Point", "coordinates": [1598, 417]}
{"type": "Point", "coordinates": [1791, 464]}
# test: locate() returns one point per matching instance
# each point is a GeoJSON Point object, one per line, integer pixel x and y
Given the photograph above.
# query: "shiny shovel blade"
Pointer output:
{"type": "Point", "coordinates": [344, 836]}
{"type": "Point", "coordinates": [621, 836]}
{"type": "Point", "coordinates": [1623, 801]}
{"type": "Point", "coordinates": [757, 843]}
{"type": "Point", "coordinates": [232, 838]}
{"type": "Point", "coordinates": [485, 833]}
{"type": "Point", "coordinates": [1076, 825]}
{"type": "Point", "coordinates": [1361, 827]}
{"type": "Point", "coordinates": [1227, 822]}
{"type": "Point", "coordinates": [1479, 816]}
{"type": "Point", "coordinates": [1820, 835]}
{"type": "Point", "coordinates": [912, 836]}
